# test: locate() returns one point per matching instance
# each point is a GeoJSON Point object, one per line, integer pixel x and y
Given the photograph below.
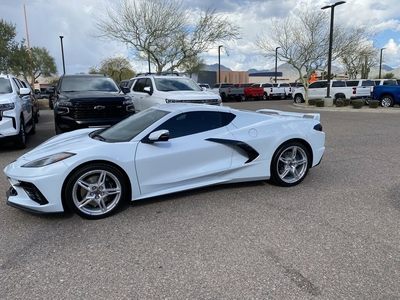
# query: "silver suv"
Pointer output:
{"type": "Point", "coordinates": [150, 90]}
{"type": "Point", "coordinates": [16, 111]}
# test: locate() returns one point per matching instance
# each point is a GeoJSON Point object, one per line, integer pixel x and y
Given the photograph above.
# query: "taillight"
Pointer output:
{"type": "Point", "coordinates": [354, 90]}
{"type": "Point", "coordinates": [318, 127]}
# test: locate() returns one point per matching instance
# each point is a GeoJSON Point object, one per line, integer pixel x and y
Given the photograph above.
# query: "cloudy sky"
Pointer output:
{"type": "Point", "coordinates": [73, 19]}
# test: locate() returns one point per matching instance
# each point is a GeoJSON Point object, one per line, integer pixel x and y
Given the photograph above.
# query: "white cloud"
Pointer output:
{"type": "Point", "coordinates": [48, 19]}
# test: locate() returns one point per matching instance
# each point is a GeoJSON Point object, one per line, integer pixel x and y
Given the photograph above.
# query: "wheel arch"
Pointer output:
{"type": "Point", "coordinates": [63, 200]}
{"type": "Point", "coordinates": [304, 143]}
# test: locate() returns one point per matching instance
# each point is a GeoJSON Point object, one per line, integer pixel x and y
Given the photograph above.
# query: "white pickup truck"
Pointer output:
{"type": "Point", "coordinates": [279, 90]}
{"type": "Point", "coordinates": [338, 90]}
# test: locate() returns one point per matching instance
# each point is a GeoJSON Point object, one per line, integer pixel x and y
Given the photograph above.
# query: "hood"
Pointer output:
{"type": "Point", "coordinates": [73, 141]}
{"type": "Point", "coordinates": [6, 98]}
{"type": "Point", "coordinates": [93, 95]}
{"type": "Point", "coordinates": [191, 95]}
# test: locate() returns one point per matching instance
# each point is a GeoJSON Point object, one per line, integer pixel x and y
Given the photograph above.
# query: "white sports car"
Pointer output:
{"type": "Point", "coordinates": [162, 150]}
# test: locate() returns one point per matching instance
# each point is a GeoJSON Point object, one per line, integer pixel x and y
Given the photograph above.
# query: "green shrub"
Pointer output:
{"type": "Point", "coordinates": [319, 103]}
{"type": "Point", "coordinates": [346, 102]}
{"type": "Point", "coordinates": [311, 101]}
{"type": "Point", "coordinates": [339, 103]}
{"type": "Point", "coordinates": [373, 103]}
{"type": "Point", "coordinates": [357, 103]}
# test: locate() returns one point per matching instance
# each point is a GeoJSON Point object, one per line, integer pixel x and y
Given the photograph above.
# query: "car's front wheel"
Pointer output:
{"type": "Point", "coordinates": [290, 164]}
{"type": "Point", "coordinates": [96, 190]}
{"type": "Point", "coordinates": [20, 139]}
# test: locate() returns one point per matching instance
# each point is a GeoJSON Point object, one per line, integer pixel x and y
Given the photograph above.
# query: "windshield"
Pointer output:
{"type": "Point", "coordinates": [88, 83]}
{"type": "Point", "coordinates": [5, 86]}
{"type": "Point", "coordinates": [176, 84]}
{"type": "Point", "coordinates": [127, 129]}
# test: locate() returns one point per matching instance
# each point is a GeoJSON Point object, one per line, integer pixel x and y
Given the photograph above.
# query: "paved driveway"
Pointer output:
{"type": "Point", "coordinates": [335, 236]}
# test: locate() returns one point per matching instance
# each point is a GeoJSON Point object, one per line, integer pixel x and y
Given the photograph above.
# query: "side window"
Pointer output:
{"type": "Point", "coordinates": [140, 85]}
{"type": "Point", "coordinates": [338, 84]}
{"type": "Point", "coordinates": [315, 85]}
{"type": "Point", "coordinates": [195, 122]}
{"type": "Point", "coordinates": [352, 83]}
{"type": "Point", "coordinates": [18, 83]}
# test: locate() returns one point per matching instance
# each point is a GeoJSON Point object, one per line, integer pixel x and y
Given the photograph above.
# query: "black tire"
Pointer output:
{"type": "Point", "coordinates": [387, 101]}
{"type": "Point", "coordinates": [290, 164]}
{"type": "Point", "coordinates": [223, 97]}
{"type": "Point", "coordinates": [51, 106]}
{"type": "Point", "coordinates": [265, 96]}
{"type": "Point", "coordinates": [20, 139]}
{"type": "Point", "coordinates": [96, 191]}
{"type": "Point", "coordinates": [33, 128]}
{"type": "Point", "coordinates": [298, 99]}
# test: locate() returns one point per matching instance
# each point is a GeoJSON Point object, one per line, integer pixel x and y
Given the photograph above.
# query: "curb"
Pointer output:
{"type": "Point", "coordinates": [365, 109]}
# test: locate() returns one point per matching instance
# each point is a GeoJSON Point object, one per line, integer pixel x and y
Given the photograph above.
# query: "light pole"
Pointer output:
{"type": "Point", "coordinates": [62, 53]}
{"type": "Point", "coordinates": [276, 62]}
{"type": "Point", "coordinates": [219, 63]}
{"type": "Point", "coordinates": [332, 7]}
{"type": "Point", "coordinates": [380, 64]}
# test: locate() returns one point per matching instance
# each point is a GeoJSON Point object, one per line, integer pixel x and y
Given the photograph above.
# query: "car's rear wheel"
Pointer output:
{"type": "Point", "coordinates": [290, 164]}
{"type": "Point", "coordinates": [298, 99]}
{"type": "Point", "coordinates": [387, 101]}
{"type": "Point", "coordinates": [96, 190]}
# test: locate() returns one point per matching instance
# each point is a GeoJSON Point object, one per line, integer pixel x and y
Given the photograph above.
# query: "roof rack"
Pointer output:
{"type": "Point", "coordinates": [158, 74]}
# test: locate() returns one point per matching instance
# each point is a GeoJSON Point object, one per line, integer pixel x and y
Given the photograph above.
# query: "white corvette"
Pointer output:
{"type": "Point", "coordinates": [161, 150]}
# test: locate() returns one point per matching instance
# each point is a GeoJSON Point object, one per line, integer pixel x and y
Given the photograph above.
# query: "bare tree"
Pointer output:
{"type": "Point", "coordinates": [117, 67]}
{"type": "Point", "coordinates": [163, 32]}
{"type": "Point", "coordinates": [303, 39]}
{"type": "Point", "coordinates": [193, 65]}
{"type": "Point", "coordinates": [360, 60]}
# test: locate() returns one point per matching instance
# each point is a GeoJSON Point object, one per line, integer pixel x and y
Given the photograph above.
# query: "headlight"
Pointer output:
{"type": "Point", "coordinates": [7, 106]}
{"type": "Point", "coordinates": [64, 103]}
{"type": "Point", "coordinates": [128, 101]}
{"type": "Point", "coordinates": [48, 160]}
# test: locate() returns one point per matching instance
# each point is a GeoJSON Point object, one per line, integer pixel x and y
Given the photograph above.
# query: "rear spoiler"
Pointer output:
{"type": "Point", "coordinates": [289, 114]}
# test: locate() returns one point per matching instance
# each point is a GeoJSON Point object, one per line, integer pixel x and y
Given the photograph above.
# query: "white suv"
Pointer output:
{"type": "Point", "coordinates": [16, 111]}
{"type": "Point", "coordinates": [149, 90]}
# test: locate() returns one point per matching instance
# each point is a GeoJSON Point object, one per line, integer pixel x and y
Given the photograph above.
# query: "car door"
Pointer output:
{"type": "Point", "coordinates": [317, 90]}
{"type": "Point", "coordinates": [26, 102]}
{"type": "Point", "coordinates": [187, 159]}
{"type": "Point", "coordinates": [139, 95]}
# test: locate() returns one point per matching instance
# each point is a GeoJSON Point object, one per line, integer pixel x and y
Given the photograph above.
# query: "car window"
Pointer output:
{"type": "Point", "coordinates": [318, 85]}
{"type": "Point", "coordinates": [141, 83]}
{"type": "Point", "coordinates": [176, 84]}
{"type": "Point", "coordinates": [368, 83]}
{"type": "Point", "coordinates": [5, 86]}
{"type": "Point", "coordinates": [194, 122]}
{"type": "Point", "coordinates": [88, 83]}
{"type": "Point", "coordinates": [130, 127]}
{"type": "Point", "coordinates": [338, 83]}
{"type": "Point", "coordinates": [352, 82]}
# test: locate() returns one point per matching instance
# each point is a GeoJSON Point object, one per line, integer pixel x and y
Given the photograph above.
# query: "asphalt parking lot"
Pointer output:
{"type": "Point", "coordinates": [334, 236]}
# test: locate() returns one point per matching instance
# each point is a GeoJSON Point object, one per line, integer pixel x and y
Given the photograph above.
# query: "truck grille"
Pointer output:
{"type": "Point", "coordinates": [93, 110]}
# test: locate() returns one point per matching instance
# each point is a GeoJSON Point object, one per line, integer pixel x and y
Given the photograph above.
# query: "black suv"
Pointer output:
{"type": "Point", "coordinates": [92, 100]}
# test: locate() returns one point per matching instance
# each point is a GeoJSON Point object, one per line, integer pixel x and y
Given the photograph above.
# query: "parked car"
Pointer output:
{"type": "Point", "coordinates": [386, 82]}
{"type": "Point", "coordinates": [148, 90]}
{"type": "Point", "coordinates": [162, 150]}
{"type": "Point", "coordinates": [50, 92]}
{"type": "Point", "coordinates": [228, 91]}
{"type": "Point", "coordinates": [89, 100]}
{"type": "Point", "coordinates": [388, 95]}
{"type": "Point", "coordinates": [204, 86]}
{"type": "Point", "coordinates": [34, 99]}
{"type": "Point", "coordinates": [16, 111]}
{"type": "Point", "coordinates": [266, 89]}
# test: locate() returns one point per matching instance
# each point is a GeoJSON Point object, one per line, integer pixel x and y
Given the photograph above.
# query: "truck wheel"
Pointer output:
{"type": "Point", "coordinates": [387, 101]}
{"type": "Point", "coordinates": [298, 99]}
{"type": "Point", "coordinates": [223, 97]}
{"type": "Point", "coordinates": [20, 139]}
{"type": "Point", "coordinates": [265, 96]}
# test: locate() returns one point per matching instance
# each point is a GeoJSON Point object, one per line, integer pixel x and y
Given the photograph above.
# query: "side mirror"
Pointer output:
{"type": "Point", "coordinates": [148, 90]}
{"type": "Point", "coordinates": [125, 90]}
{"type": "Point", "coordinates": [24, 91]}
{"type": "Point", "coordinates": [157, 136]}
